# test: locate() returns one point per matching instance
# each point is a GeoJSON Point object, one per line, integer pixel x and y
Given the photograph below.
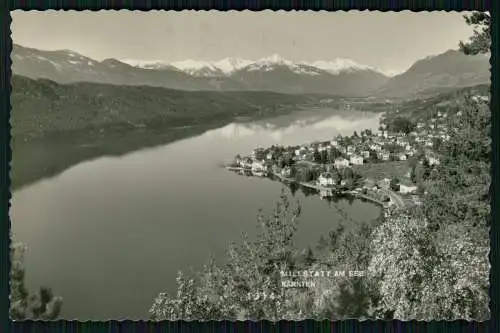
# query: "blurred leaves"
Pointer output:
{"type": "Point", "coordinates": [41, 305]}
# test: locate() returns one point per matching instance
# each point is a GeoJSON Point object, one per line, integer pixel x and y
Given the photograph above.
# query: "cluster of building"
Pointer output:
{"type": "Point", "coordinates": [404, 188]}
{"type": "Point", "coordinates": [355, 150]}
{"type": "Point", "coordinates": [368, 147]}
{"type": "Point", "coordinates": [344, 152]}
{"type": "Point", "coordinates": [360, 150]}
{"type": "Point", "coordinates": [258, 167]}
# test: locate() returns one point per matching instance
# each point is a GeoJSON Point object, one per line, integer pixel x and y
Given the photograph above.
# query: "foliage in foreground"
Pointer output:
{"type": "Point", "coordinates": [42, 305]}
{"type": "Point", "coordinates": [459, 190]}
{"type": "Point", "coordinates": [248, 285]}
{"type": "Point", "coordinates": [480, 42]}
{"type": "Point", "coordinates": [420, 276]}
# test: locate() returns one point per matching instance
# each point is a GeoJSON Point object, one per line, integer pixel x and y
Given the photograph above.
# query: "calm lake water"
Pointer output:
{"type": "Point", "coordinates": [109, 234]}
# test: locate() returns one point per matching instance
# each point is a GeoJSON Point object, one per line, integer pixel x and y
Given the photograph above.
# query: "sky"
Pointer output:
{"type": "Point", "coordinates": [390, 41]}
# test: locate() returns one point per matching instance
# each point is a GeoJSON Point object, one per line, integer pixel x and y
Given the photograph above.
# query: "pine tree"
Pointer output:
{"type": "Point", "coordinates": [480, 42]}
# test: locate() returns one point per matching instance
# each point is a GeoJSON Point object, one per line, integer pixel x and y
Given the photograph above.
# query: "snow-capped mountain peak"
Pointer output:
{"type": "Point", "coordinates": [274, 59]}
{"type": "Point", "coordinates": [224, 66]}
{"type": "Point", "coordinates": [146, 64]}
{"type": "Point", "coordinates": [339, 65]}
{"type": "Point", "coordinates": [269, 63]}
{"type": "Point", "coordinates": [191, 64]}
{"type": "Point", "coordinates": [197, 68]}
{"type": "Point", "coordinates": [229, 65]}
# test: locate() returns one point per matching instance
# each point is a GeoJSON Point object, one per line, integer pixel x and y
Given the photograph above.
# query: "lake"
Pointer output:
{"type": "Point", "coordinates": [111, 233]}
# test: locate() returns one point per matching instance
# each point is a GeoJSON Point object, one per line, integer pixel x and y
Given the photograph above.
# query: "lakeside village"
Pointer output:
{"type": "Point", "coordinates": [384, 167]}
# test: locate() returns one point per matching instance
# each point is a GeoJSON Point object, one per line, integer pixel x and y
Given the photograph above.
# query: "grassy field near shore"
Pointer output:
{"type": "Point", "coordinates": [383, 170]}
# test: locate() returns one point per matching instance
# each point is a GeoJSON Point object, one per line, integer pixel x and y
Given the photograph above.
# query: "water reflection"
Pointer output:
{"type": "Point", "coordinates": [114, 231]}
{"type": "Point", "coordinates": [296, 128]}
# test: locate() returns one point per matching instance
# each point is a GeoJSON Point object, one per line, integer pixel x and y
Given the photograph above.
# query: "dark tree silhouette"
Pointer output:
{"type": "Point", "coordinates": [42, 305]}
{"type": "Point", "coordinates": [480, 42]}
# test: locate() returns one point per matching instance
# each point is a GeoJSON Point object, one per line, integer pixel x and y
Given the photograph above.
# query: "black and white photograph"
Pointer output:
{"type": "Point", "coordinates": [250, 165]}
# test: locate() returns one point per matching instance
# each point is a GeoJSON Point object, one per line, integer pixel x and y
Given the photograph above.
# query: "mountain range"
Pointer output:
{"type": "Point", "coordinates": [441, 73]}
{"type": "Point", "coordinates": [227, 66]}
{"type": "Point", "coordinates": [342, 77]}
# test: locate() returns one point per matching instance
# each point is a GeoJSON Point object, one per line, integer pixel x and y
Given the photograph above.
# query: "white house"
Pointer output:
{"type": "Point", "coordinates": [356, 160]}
{"type": "Point", "coordinates": [407, 189]}
{"type": "Point", "coordinates": [300, 151]}
{"type": "Point", "coordinates": [326, 179]}
{"type": "Point", "coordinates": [365, 154]}
{"type": "Point", "coordinates": [334, 143]}
{"type": "Point", "coordinates": [478, 98]}
{"type": "Point", "coordinates": [341, 163]}
{"type": "Point", "coordinates": [270, 155]}
{"type": "Point", "coordinates": [383, 155]}
{"type": "Point", "coordinates": [376, 147]}
{"type": "Point", "coordinates": [433, 160]}
{"type": "Point", "coordinates": [258, 166]}
{"type": "Point", "coordinates": [402, 157]}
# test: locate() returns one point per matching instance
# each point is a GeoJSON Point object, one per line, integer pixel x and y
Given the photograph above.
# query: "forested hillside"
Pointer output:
{"type": "Point", "coordinates": [42, 107]}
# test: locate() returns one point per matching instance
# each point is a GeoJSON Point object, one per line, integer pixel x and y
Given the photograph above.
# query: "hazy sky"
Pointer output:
{"type": "Point", "coordinates": [388, 41]}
